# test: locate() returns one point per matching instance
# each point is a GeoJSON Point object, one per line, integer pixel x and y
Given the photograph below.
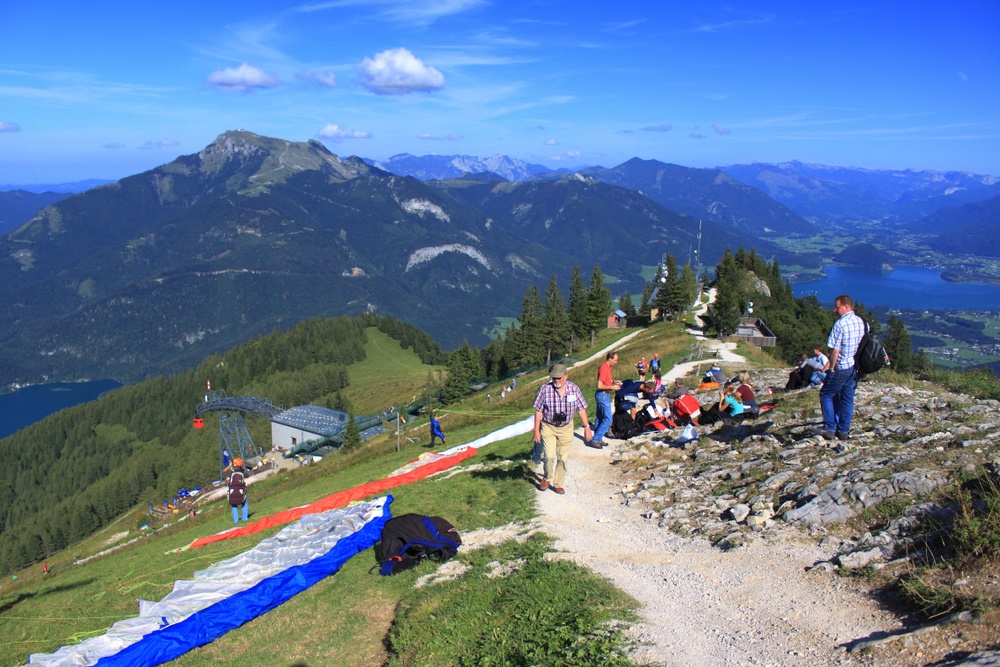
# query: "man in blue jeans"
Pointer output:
{"type": "Point", "coordinates": [605, 386]}
{"type": "Point", "coordinates": [836, 398]}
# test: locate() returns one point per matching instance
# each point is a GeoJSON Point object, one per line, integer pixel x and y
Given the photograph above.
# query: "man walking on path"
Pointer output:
{"type": "Point", "coordinates": [654, 364]}
{"type": "Point", "coordinates": [836, 398]}
{"type": "Point", "coordinates": [555, 404]}
{"type": "Point", "coordinates": [436, 431]}
{"type": "Point", "coordinates": [602, 399]}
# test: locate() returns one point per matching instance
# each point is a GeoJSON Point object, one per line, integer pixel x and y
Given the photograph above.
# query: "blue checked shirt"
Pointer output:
{"type": "Point", "coordinates": [845, 336]}
{"type": "Point", "coordinates": [549, 403]}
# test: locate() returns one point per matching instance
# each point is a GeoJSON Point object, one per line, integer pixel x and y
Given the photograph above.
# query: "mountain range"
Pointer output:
{"type": "Point", "coordinates": [154, 272]}
{"type": "Point", "coordinates": [836, 194]}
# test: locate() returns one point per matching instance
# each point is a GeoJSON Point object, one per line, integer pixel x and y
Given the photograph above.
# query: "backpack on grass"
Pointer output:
{"type": "Point", "coordinates": [871, 356]}
{"type": "Point", "coordinates": [410, 538]}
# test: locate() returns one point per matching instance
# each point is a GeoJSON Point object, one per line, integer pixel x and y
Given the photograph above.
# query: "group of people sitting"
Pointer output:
{"type": "Point", "coordinates": [737, 401]}
{"type": "Point", "coordinates": [811, 371]}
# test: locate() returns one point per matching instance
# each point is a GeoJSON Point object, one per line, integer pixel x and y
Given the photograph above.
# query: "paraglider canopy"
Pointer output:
{"type": "Point", "coordinates": [199, 422]}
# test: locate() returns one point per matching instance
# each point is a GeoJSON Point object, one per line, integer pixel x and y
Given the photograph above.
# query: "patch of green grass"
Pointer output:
{"type": "Point", "coordinates": [388, 376]}
{"type": "Point", "coordinates": [545, 613]}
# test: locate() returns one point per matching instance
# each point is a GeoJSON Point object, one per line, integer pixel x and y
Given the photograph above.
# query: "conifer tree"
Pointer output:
{"type": "Point", "coordinates": [578, 311]}
{"type": "Point", "coordinates": [555, 323]}
{"type": "Point", "coordinates": [898, 345]}
{"type": "Point", "coordinates": [598, 303]}
{"type": "Point", "coordinates": [352, 435]}
{"type": "Point", "coordinates": [625, 305]}
{"type": "Point", "coordinates": [463, 369]}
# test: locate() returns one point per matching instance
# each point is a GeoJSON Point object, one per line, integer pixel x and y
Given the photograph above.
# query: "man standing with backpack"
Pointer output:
{"type": "Point", "coordinates": [836, 398]}
{"type": "Point", "coordinates": [238, 491]}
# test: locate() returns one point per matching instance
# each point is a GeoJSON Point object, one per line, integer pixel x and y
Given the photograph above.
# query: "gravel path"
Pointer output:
{"type": "Point", "coordinates": [755, 605]}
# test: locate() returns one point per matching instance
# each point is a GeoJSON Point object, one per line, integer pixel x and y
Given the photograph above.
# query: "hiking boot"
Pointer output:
{"type": "Point", "coordinates": [559, 489]}
{"type": "Point", "coordinates": [543, 485]}
{"type": "Point", "coordinates": [597, 445]}
{"type": "Point", "coordinates": [823, 434]}
{"type": "Point", "coordinates": [843, 436]}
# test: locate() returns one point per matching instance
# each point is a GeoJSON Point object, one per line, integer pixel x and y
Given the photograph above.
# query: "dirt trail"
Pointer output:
{"type": "Point", "coordinates": [751, 606]}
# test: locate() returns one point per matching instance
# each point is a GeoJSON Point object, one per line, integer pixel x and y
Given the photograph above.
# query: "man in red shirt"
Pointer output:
{"type": "Point", "coordinates": [605, 385]}
{"type": "Point", "coordinates": [555, 404]}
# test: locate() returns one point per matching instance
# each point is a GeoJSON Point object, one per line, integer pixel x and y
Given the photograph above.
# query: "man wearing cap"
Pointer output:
{"type": "Point", "coordinates": [555, 404]}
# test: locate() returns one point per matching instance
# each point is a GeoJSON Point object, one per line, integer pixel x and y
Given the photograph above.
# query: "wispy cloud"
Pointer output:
{"type": "Point", "coordinates": [337, 133]}
{"type": "Point", "coordinates": [696, 135]}
{"type": "Point", "coordinates": [398, 72]}
{"type": "Point", "coordinates": [156, 145]}
{"type": "Point", "coordinates": [427, 136]}
{"type": "Point", "coordinates": [551, 142]}
{"type": "Point", "coordinates": [324, 79]}
{"type": "Point", "coordinates": [728, 26]}
{"type": "Point", "coordinates": [414, 12]}
{"type": "Point", "coordinates": [113, 146]}
{"type": "Point", "coordinates": [662, 127]}
{"type": "Point", "coordinates": [721, 129]}
{"type": "Point", "coordinates": [242, 79]}
{"type": "Point", "coordinates": [624, 27]}
{"type": "Point", "coordinates": [9, 126]}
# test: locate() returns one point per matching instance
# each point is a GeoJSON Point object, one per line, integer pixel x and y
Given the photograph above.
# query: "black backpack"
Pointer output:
{"type": "Point", "coordinates": [870, 356]}
{"type": "Point", "coordinates": [237, 489]}
{"type": "Point", "coordinates": [623, 426]}
{"type": "Point", "coordinates": [410, 538]}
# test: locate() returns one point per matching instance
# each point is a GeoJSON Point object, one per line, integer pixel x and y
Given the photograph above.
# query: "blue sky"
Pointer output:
{"type": "Point", "coordinates": [105, 90]}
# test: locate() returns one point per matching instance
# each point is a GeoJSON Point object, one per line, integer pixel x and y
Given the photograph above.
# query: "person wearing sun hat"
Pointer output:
{"type": "Point", "coordinates": [555, 404]}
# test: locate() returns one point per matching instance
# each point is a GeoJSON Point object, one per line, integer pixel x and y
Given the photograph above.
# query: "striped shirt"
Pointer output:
{"type": "Point", "coordinates": [550, 403]}
{"type": "Point", "coordinates": [846, 336]}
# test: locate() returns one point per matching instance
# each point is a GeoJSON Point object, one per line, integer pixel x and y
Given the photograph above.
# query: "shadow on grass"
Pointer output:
{"type": "Point", "coordinates": [6, 606]}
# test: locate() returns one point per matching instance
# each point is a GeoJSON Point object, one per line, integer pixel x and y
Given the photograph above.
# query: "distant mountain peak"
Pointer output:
{"type": "Point", "coordinates": [444, 167]}
{"type": "Point", "coordinates": [264, 160]}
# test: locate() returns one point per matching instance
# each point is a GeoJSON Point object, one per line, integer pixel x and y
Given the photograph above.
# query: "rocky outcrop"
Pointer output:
{"type": "Point", "coordinates": [772, 476]}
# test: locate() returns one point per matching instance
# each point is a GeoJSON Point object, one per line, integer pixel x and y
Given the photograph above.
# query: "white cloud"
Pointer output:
{"type": "Point", "coordinates": [151, 145]}
{"type": "Point", "coordinates": [551, 142]}
{"type": "Point", "coordinates": [663, 127]}
{"type": "Point", "coordinates": [324, 79]}
{"type": "Point", "coordinates": [696, 135]}
{"type": "Point", "coordinates": [572, 153]}
{"type": "Point", "coordinates": [432, 137]}
{"type": "Point", "coordinates": [719, 128]}
{"type": "Point", "coordinates": [9, 127]}
{"type": "Point", "coordinates": [337, 133]}
{"type": "Point", "coordinates": [243, 79]}
{"type": "Point", "coordinates": [114, 146]}
{"type": "Point", "coordinates": [398, 72]}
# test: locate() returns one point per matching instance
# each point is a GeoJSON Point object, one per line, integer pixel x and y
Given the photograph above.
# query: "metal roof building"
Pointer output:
{"type": "Point", "coordinates": [304, 423]}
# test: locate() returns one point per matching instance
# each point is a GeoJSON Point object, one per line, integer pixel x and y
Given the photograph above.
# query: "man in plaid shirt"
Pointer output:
{"type": "Point", "coordinates": [555, 404]}
{"type": "Point", "coordinates": [836, 398]}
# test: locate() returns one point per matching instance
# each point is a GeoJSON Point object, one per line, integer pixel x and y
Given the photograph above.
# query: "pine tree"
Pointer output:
{"type": "Point", "coordinates": [598, 303]}
{"type": "Point", "coordinates": [625, 305]}
{"type": "Point", "coordinates": [555, 323]}
{"type": "Point", "coordinates": [578, 311]}
{"type": "Point", "coordinates": [463, 369]}
{"type": "Point", "coordinates": [352, 435]}
{"type": "Point", "coordinates": [897, 344]}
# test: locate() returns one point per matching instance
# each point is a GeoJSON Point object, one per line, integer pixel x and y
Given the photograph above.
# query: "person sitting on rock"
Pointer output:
{"type": "Point", "coordinates": [725, 410]}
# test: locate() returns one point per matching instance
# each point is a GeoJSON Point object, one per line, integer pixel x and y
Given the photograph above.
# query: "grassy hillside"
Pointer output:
{"type": "Point", "coordinates": [354, 618]}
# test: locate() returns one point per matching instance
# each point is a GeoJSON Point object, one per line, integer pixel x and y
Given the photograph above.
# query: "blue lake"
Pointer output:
{"type": "Point", "coordinates": [905, 287]}
{"type": "Point", "coordinates": [31, 404]}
